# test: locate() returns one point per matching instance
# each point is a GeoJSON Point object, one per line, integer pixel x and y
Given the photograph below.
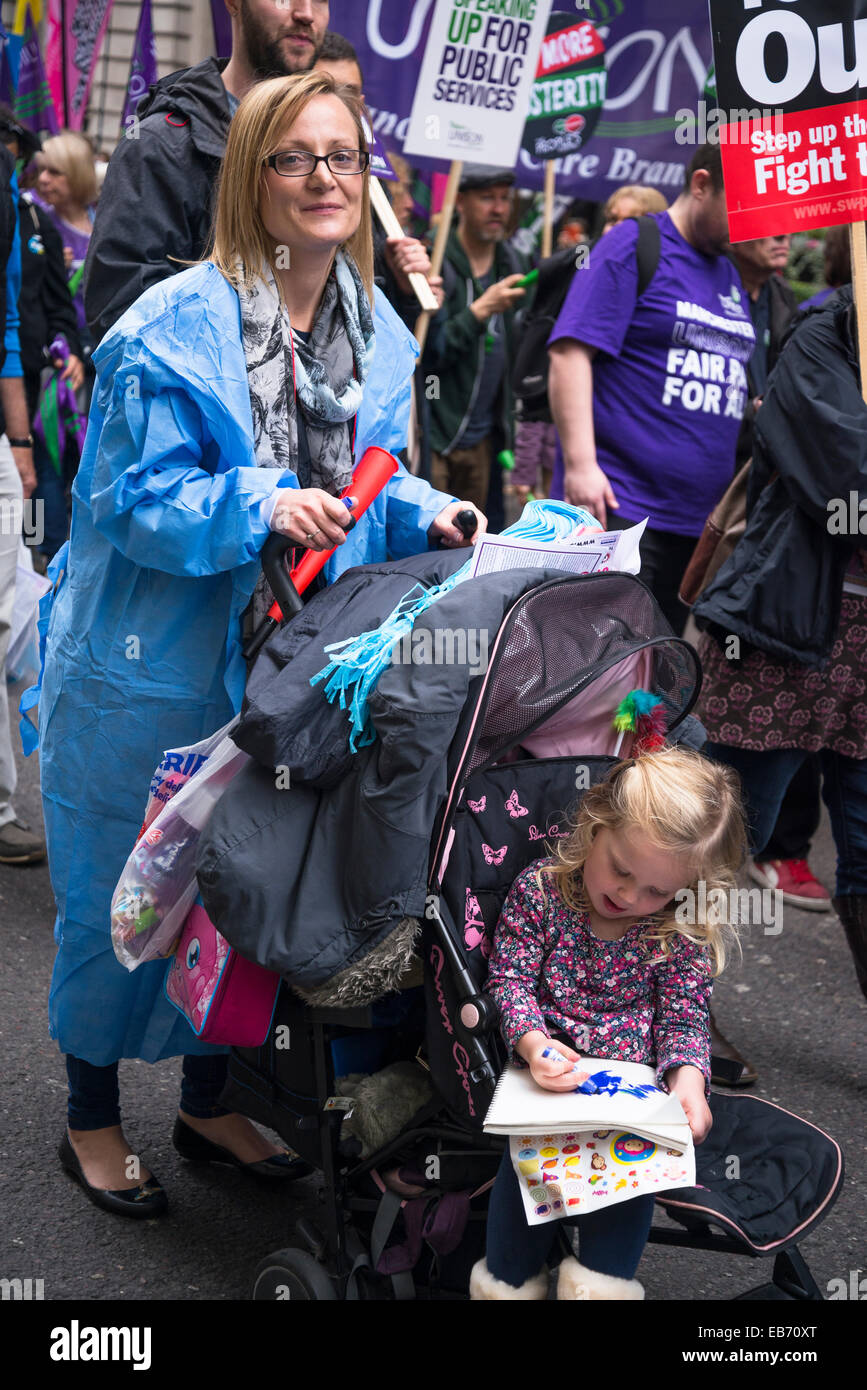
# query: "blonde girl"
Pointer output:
{"type": "Point", "coordinates": [600, 943]}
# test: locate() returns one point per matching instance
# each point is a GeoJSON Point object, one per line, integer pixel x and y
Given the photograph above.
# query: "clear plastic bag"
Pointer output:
{"type": "Point", "coordinates": [22, 656]}
{"type": "Point", "coordinates": [158, 885]}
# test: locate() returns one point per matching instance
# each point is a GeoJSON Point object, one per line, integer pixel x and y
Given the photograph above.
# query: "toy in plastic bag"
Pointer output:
{"type": "Point", "coordinates": [158, 885]}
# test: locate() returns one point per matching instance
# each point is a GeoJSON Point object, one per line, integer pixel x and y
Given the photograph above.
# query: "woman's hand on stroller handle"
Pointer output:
{"type": "Point", "coordinates": [449, 532]}
{"type": "Point", "coordinates": [311, 517]}
{"type": "Point", "coordinates": [551, 1067]}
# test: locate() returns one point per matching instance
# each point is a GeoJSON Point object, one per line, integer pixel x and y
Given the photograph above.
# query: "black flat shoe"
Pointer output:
{"type": "Point", "coordinates": [195, 1148]}
{"type": "Point", "coordinates": [142, 1202]}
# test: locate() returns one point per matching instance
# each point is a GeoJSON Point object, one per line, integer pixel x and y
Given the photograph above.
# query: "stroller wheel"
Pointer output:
{"type": "Point", "coordinates": [292, 1274]}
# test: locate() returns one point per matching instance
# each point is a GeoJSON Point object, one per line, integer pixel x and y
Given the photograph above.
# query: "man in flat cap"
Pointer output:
{"type": "Point", "coordinates": [470, 348]}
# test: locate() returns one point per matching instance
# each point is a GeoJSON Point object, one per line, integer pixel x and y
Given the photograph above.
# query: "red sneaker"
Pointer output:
{"type": "Point", "coordinates": [793, 878]}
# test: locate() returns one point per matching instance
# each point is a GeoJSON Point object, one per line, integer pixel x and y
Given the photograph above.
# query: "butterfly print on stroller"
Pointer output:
{"type": "Point", "coordinates": [494, 856]}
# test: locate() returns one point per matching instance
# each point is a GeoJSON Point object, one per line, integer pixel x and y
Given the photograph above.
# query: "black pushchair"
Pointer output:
{"type": "Point", "coordinates": [534, 732]}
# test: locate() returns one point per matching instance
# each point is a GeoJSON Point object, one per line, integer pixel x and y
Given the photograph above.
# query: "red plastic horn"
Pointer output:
{"type": "Point", "coordinates": [370, 477]}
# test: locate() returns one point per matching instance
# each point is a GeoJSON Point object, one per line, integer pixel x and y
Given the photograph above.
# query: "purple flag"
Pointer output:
{"type": "Point", "coordinates": [222, 29]}
{"type": "Point", "coordinates": [7, 81]}
{"type": "Point", "coordinates": [143, 68]}
{"type": "Point", "coordinates": [33, 105]}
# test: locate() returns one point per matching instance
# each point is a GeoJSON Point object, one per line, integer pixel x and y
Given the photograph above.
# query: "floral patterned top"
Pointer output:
{"type": "Point", "coordinates": [621, 999]}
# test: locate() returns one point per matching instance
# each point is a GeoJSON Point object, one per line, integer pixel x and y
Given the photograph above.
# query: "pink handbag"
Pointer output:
{"type": "Point", "coordinates": [225, 998]}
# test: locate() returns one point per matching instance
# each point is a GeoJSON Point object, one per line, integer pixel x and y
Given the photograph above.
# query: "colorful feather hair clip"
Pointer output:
{"type": "Point", "coordinates": [643, 715]}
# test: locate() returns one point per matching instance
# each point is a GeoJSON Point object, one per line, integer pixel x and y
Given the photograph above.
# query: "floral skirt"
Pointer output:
{"type": "Point", "coordinates": [762, 703]}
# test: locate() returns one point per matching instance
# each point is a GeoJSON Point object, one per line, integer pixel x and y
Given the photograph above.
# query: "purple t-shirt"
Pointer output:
{"type": "Point", "coordinates": [669, 379]}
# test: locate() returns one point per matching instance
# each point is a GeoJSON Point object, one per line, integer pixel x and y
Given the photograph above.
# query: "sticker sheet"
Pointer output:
{"type": "Point", "coordinates": [569, 1174]}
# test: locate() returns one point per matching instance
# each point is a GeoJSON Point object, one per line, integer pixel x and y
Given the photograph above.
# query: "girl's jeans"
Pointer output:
{"type": "Point", "coordinates": [610, 1241]}
{"type": "Point", "coordinates": [765, 778]}
{"type": "Point", "coordinates": [94, 1097]}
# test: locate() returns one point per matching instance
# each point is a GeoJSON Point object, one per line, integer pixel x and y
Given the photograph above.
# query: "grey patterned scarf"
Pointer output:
{"type": "Point", "coordinates": [330, 371]}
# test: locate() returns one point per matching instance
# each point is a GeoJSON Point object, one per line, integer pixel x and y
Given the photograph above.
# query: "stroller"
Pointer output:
{"type": "Point", "coordinates": [534, 732]}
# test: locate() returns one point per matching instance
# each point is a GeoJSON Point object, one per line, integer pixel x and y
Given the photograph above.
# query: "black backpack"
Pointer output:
{"type": "Point", "coordinates": [530, 372]}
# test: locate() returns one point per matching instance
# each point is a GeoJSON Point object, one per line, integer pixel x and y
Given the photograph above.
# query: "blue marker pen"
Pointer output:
{"type": "Point", "coordinates": [587, 1087]}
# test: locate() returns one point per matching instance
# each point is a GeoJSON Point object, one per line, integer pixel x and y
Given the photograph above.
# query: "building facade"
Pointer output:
{"type": "Point", "coordinates": [183, 35]}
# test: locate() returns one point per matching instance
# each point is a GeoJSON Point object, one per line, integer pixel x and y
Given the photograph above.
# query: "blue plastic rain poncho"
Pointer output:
{"type": "Point", "coordinates": [143, 649]}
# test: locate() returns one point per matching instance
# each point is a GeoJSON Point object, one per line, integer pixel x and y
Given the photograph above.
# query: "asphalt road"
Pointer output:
{"type": "Point", "coordinates": [793, 1007]}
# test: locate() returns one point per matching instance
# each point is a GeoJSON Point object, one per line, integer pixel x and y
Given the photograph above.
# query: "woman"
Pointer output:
{"type": "Point", "coordinates": [198, 445]}
{"type": "Point", "coordinates": [67, 186]}
{"type": "Point", "coordinates": [787, 673]}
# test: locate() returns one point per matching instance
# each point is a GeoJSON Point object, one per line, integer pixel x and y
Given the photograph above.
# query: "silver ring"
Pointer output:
{"type": "Point", "coordinates": [311, 535]}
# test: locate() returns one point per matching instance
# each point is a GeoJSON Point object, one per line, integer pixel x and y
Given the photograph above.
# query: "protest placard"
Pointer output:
{"type": "Point", "coordinates": [565, 100]}
{"type": "Point", "coordinates": [569, 88]}
{"type": "Point", "coordinates": [790, 77]}
{"type": "Point", "coordinates": [475, 81]}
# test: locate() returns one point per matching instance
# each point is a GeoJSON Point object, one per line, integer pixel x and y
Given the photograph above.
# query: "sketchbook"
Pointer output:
{"type": "Point", "coordinates": [626, 1098]}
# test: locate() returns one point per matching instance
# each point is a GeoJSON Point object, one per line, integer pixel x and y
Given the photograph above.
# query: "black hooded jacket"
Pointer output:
{"type": "Point", "coordinates": [781, 588]}
{"type": "Point", "coordinates": [157, 199]}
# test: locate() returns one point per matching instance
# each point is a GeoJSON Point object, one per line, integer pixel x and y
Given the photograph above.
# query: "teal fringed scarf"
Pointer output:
{"type": "Point", "coordinates": [358, 662]}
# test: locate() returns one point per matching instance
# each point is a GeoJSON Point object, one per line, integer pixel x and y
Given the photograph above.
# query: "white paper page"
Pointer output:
{"type": "Point", "coordinates": [522, 1105]}
{"type": "Point", "coordinates": [562, 1175]}
{"type": "Point", "coordinates": [588, 554]}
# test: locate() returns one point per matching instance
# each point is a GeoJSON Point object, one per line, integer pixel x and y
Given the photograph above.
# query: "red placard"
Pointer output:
{"type": "Point", "coordinates": [795, 171]}
{"type": "Point", "coordinates": [790, 76]}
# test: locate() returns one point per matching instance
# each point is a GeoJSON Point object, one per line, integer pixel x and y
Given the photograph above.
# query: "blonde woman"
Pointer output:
{"type": "Point", "coordinates": [632, 200]}
{"type": "Point", "coordinates": [67, 188]}
{"type": "Point", "coordinates": [232, 399]}
{"type": "Point", "coordinates": [607, 943]}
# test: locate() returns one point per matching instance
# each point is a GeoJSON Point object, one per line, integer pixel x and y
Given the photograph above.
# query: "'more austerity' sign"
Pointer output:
{"type": "Point", "coordinates": [792, 78]}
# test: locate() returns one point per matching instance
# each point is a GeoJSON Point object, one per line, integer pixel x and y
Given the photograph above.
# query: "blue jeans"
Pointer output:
{"type": "Point", "coordinates": [765, 778]}
{"type": "Point", "coordinates": [51, 492]}
{"type": "Point", "coordinates": [94, 1097]}
{"type": "Point", "coordinates": [610, 1241]}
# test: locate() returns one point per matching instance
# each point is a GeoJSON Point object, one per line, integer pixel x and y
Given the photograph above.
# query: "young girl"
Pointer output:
{"type": "Point", "coordinates": [592, 945]}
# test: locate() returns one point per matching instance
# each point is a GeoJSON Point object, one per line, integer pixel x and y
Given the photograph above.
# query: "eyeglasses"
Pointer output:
{"type": "Point", "coordinates": [297, 164]}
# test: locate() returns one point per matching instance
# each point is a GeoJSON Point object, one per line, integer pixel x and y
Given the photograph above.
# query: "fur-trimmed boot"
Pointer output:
{"type": "Point", "coordinates": [852, 911]}
{"type": "Point", "coordinates": [575, 1281]}
{"type": "Point", "coordinates": [484, 1287]}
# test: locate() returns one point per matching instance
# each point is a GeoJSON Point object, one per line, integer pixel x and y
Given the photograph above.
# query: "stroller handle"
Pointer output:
{"type": "Point", "coordinates": [370, 477]}
{"type": "Point", "coordinates": [282, 587]}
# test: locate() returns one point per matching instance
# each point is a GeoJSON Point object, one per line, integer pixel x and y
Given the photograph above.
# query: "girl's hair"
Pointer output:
{"type": "Point", "coordinates": [71, 154]}
{"type": "Point", "coordinates": [258, 130]}
{"type": "Point", "coordinates": [679, 801]}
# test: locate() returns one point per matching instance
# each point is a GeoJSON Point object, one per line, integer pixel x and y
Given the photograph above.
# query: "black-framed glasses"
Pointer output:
{"type": "Point", "coordinates": [297, 164]}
